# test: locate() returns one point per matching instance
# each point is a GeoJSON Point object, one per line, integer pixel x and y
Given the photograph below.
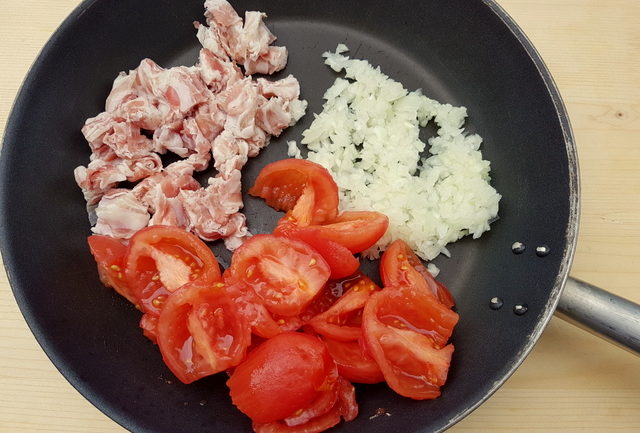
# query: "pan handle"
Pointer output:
{"type": "Point", "coordinates": [602, 313]}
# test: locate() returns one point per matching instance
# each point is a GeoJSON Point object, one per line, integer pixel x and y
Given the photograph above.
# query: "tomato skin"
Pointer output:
{"type": "Point", "coordinates": [323, 403]}
{"type": "Point", "coordinates": [345, 407]}
{"type": "Point", "coordinates": [263, 323]}
{"type": "Point", "coordinates": [354, 230]}
{"type": "Point", "coordinates": [400, 266]}
{"type": "Point", "coordinates": [301, 184]}
{"type": "Point", "coordinates": [281, 376]}
{"type": "Point", "coordinates": [354, 361]}
{"type": "Point", "coordinates": [285, 274]}
{"type": "Point", "coordinates": [342, 320]}
{"type": "Point", "coordinates": [153, 271]}
{"type": "Point", "coordinates": [110, 255]}
{"type": "Point", "coordinates": [201, 331]}
{"type": "Point", "coordinates": [341, 261]}
{"type": "Point", "coordinates": [316, 425]}
{"type": "Point", "coordinates": [406, 330]}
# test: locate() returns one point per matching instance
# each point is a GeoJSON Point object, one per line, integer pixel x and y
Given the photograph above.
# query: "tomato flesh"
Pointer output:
{"type": "Point", "coordinates": [354, 230]}
{"type": "Point", "coordinates": [405, 330]}
{"type": "Point", "coordinates": [345, 407]}
{"type": "Point", "coordinates": [161, 259]}
{"type": "Point", "coordinates": [341, 261]}
{"type": "Point", "coordinates": [399, 265]}
{"type": "Point", "coordinates": [354, 361]}
{"type": "Point", "coordinates": [110, 255]}
{"type": "Point", "coordinates": [303, 187]}
{"type": "Point", "coordinates": [201, 331]}
{"type": "Point", "coordinates": [286, 274]}
{"type": "Point", "coordinates": [281, 376]}
{"type": "Point", "coordinates": [263, 323]}
{"type": "Point", "coordinates": [343, 319]}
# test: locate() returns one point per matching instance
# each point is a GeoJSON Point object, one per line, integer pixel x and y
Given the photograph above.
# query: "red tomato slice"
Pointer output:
{"type": "Point", "coordinates": [281, 376]}
{"type": "Point", "coordinates": [323, 403]}
{"type": "Point", "coordinates": [400, 266]}
{"type": "Point", "coordinates": [343, 319]}
{"type": "Point", "coordinates": [110, 255]}
{"type": "Point", "coordinates": [201, 331]}
{"type": "Point", "coordinates": [162, 259]}
{"type": "Point", "coordinates": [330, 293]}
{"type": "Point", "coordinates": [316, 425]}
{"type": "Point", "coordinates": [263, 323]}
{"type": "Point", "coordinates": [405, 330]}
{"type": "Point", "coordinates": [300, 184]}
{"type": "Point", "coordinates": [355, 230]}
{"type": "Point", "coordinates": [354, 362]}
{"type": "Point", "coordinates": [341, 261]}
{"type": "Point", "coordinates": [346, 407]}
{"type": "Point", "coordinates": [286, 274]}
{"type": "Point", "coordinates": [347, 401]}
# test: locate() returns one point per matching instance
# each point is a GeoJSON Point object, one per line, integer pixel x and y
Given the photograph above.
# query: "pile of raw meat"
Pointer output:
{"type": "Point", "coordinates": [212, 110]}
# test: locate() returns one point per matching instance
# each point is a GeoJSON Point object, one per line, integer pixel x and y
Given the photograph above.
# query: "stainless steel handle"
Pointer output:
{"type": "Point", "coordinates": [602, 313]}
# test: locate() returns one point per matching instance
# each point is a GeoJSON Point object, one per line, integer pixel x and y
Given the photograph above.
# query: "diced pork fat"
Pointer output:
{"type": "Point", "coordinates": [248, 44]}
{"type": "Point", "coordinates": [287, 88]}
{"type": "Point", "coordinates": [120, 214]}
{"type": "Point", "coordinates": [208, 110]}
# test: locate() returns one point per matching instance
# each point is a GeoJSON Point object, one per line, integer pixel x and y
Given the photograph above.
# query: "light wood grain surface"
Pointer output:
{"type": "Point", "coordinates": [572, 381]}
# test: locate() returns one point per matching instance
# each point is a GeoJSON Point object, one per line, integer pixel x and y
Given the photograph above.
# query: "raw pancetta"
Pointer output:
{"type": "Point", "coordinates": [214, 110]}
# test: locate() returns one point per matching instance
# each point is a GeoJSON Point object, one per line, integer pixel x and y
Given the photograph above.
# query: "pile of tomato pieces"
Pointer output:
{"type": "Point", "coordinates": [291, 320]}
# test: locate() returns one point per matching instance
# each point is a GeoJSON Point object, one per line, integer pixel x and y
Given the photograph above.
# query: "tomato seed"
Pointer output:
{"type": "Point", "coordinates": [115, 268]}
{"type": "Point", "coordinates": [157, 302]}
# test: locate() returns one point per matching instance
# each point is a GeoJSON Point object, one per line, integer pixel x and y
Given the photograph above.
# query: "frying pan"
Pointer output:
{"type": "Point", "coordinates": [449, 50]}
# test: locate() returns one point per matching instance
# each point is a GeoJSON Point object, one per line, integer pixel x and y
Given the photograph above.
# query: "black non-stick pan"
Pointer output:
{"type": "Point", "coordinates": [462, 52]}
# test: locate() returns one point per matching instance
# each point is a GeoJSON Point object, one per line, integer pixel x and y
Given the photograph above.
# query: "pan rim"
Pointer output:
{"type": "Point", "coordinates": [571, 233]}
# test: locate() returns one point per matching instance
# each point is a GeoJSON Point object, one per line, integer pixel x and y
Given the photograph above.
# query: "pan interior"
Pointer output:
{"type": "Point", "coordinates": [457, 52]}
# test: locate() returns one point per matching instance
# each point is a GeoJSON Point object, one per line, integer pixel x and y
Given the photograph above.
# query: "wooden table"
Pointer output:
{"type": "Point", "coordinates": [572, 381]}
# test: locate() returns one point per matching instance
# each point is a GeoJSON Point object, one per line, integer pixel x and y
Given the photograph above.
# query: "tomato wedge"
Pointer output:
{"type": "Point", "coordinates": [399, 265]}
{"type": "Point", "coordinates": [263, 323]}
{"type": "Point", "coordinates": [110, 254]}
{"type": "Point", "coordinates": [406, 330]}
{"type": "Point", "coordinates": [343, 319]}
{"type": "Point", "coordinates": [354, 361]}
{"type": "Point", "coordinates": [345, 407]}
{"type": "Point", "coordinates": [161, 259]}
{"type": "Point", "coordinates": [341, 261]}
{"type": "Point", "coordinates": [300, 186]}
{"type": "Point", "coordinates": [281, 376]}
{"type": "Point", "coordinates": [201, 331]}
{"type": "Point", "coordinates": [354, 230]}
{"type": "Point", "coordinates": [322, 404]}
{"type": "Point", "coordinates": [286, 274]}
